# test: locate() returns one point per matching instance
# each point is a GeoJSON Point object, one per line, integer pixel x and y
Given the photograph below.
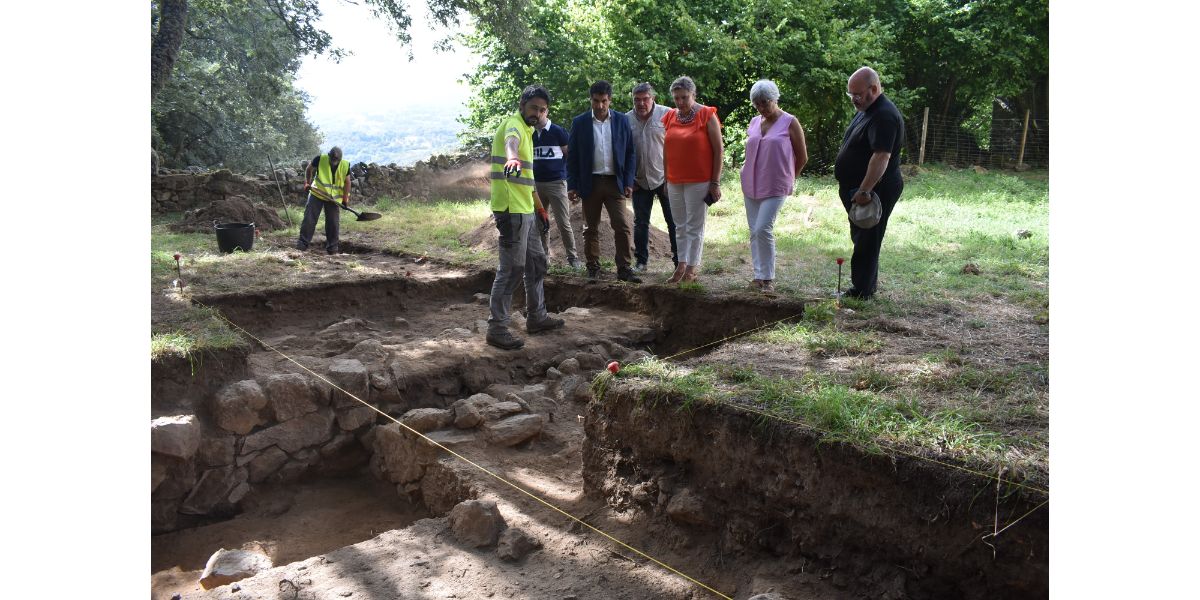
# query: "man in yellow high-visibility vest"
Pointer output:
{"type": "Point", "coordinates": [520, 220]}
{"type": "Point", "coordinates": [327, 182]}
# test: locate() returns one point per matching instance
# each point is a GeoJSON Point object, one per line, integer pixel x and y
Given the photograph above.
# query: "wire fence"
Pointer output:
{"type": "Point", "coordinates": [998, 146]}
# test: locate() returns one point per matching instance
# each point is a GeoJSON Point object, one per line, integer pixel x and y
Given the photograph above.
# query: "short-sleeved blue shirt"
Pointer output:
{"type": "Point", "coordinates": [548, 163]}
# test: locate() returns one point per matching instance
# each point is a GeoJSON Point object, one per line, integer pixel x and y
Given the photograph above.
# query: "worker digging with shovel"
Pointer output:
{"type": "Point", "coordinates": [325, 180]}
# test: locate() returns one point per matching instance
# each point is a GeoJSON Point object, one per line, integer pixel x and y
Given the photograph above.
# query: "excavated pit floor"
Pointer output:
{"type": "Point", "coordinates": [356, 536]}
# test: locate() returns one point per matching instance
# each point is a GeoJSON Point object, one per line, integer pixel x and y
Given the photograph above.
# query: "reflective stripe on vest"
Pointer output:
{"type": "Point", "coordinates": [513, 193]}
{"type": "Point", "coordinates": [327, 185]}
{"type": "Point", "coordinates": [499, 173]}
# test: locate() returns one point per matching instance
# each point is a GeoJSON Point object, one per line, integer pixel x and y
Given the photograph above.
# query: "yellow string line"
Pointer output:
{"type": "Point", "coordinates": [727, 338]}
{"type": "Point", "coordinates": [1031, 511]}
{"type": "Point", "coordinates": [472, 463]}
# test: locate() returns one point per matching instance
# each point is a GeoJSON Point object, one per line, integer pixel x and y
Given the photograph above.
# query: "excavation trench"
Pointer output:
{"type": "Point", "coordinates": [277, 450]}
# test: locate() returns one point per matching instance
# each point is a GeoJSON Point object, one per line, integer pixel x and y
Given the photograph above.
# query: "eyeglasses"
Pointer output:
{"type": "Point", "coordinates": [855, 96]}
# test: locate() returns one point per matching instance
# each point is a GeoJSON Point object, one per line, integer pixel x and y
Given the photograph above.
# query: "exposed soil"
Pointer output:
{"type": "Point", "coordinates": [353, 538]}
{"type": "Point", "coordinates": [426, 561]}
{"type": "Point", "coordinates": [894, 526]}
{"type": "Point", "coordinates": [486, 238]}
{"type": "Point", "coordinates": [234, 209]}
{"type": "Point", "coordinates": [287, 523]}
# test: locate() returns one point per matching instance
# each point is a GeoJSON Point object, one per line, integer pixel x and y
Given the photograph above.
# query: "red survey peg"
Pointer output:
{"type": "Point", "coordinates": [613, 367]}
{"type": "Point", "coordinates": [840, 260]}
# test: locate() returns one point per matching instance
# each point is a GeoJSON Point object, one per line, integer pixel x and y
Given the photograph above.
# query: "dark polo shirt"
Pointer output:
{"type": "Point", "coordinates": [879, 128]}
{"type": "Point", "coordinates": [548, 163]}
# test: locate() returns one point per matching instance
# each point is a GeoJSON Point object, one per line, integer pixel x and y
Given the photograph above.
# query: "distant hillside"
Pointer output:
{"type": "Point", "coordinates": [402, 137]}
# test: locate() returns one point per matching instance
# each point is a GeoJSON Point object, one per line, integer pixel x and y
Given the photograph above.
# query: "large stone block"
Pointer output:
{"type": "Point", "coordinates": [238, 406]}
{"type": "Point", "coordinates": [291, 436]}
{"type": "Point", "coordinates": [227, 566]}
{"type": "Point", "coordinates": [177, 436]}
{"type": "Point", "coordinates": [468, 412]}
{"type": "Point", "coordinates": [352, 418]}
{"type": "Point", "coordinates": [291, 395]}
{"type": "Point", "coordinates": [499, 410]}
{"type": "Point", "coordinates": [427, 419]}
{"type": "Point", "coordinates": [403, 456]}
{"type": "Point", "coordinates": [216, 451]}
{"type": "Point", "coordinates": [514, 430]}
{"type": "Point", "coordinates": [477, 523]}
{"type": "Point", "coordinates": [266, 463]}
{"type": "Point", "coordinates": [515, 544]}
{"type": "Point", "coordinates": [213, 490]}
{"type": "Point", "coordinates": [352, 376]}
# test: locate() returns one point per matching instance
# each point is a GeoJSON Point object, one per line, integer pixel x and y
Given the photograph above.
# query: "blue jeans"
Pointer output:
{"type": "Point", "coordinates": [643, 204]}
{"type": "Point", "coordinates": [521, 256]}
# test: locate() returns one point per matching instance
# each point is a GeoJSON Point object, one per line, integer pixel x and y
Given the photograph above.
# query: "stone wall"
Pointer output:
{"type": "Point", "coordinates": [275, 428]}
{"type": "Point", "coordinates": [177, 191]}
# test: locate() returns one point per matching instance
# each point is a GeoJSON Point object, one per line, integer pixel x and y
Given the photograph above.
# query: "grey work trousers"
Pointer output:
{"type": "Point", "coordinates": [554, 199]}
{"type": "Point", "coordinates": [312, 212]}
{"type": "Point", "coordinates": [521, 256]}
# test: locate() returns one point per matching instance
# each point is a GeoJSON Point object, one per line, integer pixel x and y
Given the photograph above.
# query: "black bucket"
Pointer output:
{"type": "Point", "coordinates": [231, 236]}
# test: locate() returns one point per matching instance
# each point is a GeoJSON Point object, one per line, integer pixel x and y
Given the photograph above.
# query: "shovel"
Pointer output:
{"type": "Point", "coordinates": [362, 216]}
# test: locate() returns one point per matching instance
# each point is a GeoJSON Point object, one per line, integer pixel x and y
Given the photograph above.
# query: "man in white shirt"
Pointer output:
{"type": "Point", "coordinates": [648, 134]}
{"type": "Point", "coordinates": [601, 162]}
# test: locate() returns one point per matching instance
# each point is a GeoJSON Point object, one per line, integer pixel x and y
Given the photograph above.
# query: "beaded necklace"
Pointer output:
{"type": "Point", "coordinates": [688, 119]}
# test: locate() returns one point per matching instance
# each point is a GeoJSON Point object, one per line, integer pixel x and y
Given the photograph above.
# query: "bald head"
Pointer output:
{"type": "Point", "coordinates": [867, 75]}
{"type": "Point", "coordinates": [863, 87]}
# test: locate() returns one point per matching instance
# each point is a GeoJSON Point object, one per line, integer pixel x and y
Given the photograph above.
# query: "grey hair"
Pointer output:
{"type": "Point", "coordinates": [335, 151]}
{"type": "Point", "coordinates": [643, 88]}
{"type": "Point", "coordinates": [764, 89]}
{"type": "Point", "coordinates": [684, 83]}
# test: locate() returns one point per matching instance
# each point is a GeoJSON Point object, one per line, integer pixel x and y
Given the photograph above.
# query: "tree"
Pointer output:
{"type": "Point", "coordinates": [724, 45]}
{"type": "Point", "coordinates": [222, 72]}
{"type": "Point", "coordinates": [961, 57]}
{"type": "Point", "coordinates": [164, 49]}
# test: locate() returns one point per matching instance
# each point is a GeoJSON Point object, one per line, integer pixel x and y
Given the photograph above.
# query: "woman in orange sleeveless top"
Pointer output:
{"type": "Point", "coordinates": [692, 153]}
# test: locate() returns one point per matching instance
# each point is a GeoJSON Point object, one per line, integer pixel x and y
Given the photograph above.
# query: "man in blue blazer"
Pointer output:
{"type": "Point", "coordinates": [601, 165]}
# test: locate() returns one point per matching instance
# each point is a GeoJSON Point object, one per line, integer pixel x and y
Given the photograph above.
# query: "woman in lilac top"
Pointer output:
{"type": "Point", "coordinates": [775, 155]}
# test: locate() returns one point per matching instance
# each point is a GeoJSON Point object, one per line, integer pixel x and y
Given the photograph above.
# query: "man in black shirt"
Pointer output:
{"type": "Point", "coordinates": [869, 161]}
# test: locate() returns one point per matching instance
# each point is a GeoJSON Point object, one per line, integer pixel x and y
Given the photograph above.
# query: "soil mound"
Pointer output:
{"type": "Point", "coordinates": [234, 209]}
{"type": "Point", "coordinates": [486, 238]}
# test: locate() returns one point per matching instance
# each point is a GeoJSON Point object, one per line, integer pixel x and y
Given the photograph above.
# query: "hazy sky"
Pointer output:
{"type": "Point", "coordinates": [378, 79]}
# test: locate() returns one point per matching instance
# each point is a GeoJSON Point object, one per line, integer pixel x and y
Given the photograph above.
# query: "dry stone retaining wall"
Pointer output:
{"type": "Point", "coordinates": [177, 191]}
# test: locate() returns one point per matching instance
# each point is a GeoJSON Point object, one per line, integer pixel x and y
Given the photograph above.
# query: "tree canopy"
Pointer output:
{"type": "Point", "coordinates": [223, 71]}
{"type": "Point", "coordinates": [955, 56]}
